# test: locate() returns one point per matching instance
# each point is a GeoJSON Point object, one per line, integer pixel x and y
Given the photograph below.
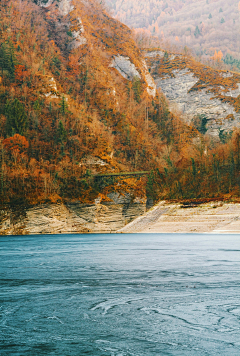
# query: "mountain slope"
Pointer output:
{"type": "Point", "coordinates": [198, 91]}
{"type": "Point", "coordinates": [203, 26]}
{"type": "Point", "coordinates": [77, 100]}
{"type": "Point", "coordinates": [74, 87]}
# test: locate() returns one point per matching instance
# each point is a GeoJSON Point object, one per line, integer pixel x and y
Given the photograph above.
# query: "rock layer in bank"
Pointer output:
{"type": "Point", "coordinates": [71, 217]}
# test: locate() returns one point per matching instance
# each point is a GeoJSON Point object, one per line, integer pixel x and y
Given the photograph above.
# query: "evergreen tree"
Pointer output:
{"type": "Point", "coordinates": [16, 117]}
{"type": "Point", "coordinates": [165, 57]}
{"type": "Point", "coordinates": [63, 106]}
{"type": "Point", "coordinates": [150, 187]}
{"type": "Point", "coordinates": [137, 88]}
{"type": "Point", "coordinates": [197, 32]}
{"type": "Point", "coordinates": [7, 59]}
{"type": "Point", "coordinates": [3, 58]}
{"type": "Point", "coordinates": [61, 133]}
{"type": "Point", "coordinates": [200, 122]}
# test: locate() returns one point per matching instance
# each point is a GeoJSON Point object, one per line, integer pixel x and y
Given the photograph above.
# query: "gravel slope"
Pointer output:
{"type": "Point", "coordinates": [212, 217]}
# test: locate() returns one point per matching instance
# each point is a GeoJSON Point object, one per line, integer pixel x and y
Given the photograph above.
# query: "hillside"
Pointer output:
{"type": "Point", "coordinates": [77, 100]}
{"type": "Point", "coordinates": [203, 26]}
{"type": "Point", "coordinates": [204, 96]}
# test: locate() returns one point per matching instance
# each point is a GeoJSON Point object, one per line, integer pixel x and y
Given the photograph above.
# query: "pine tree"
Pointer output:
{"type": "Point", "coordinates": [3, 58]}
{"type": "Point", "coordinates": [197, 32]}
{"type": "Point", "coordinates": [61, 133]}
{"type": "Point", "coordinates": [63, 106]}
{"type": "Point", "coordinates": [137, 88]}
{"type": "Point", "coordinates": [16, 117]}
{"type": "Point", "coordinates": [165, 57]}
{"type": "Point", "coordinates": [7, 59]}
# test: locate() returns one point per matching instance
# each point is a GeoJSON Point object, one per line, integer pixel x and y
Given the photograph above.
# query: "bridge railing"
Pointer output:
{"type": "Point", "coordinates": [121, 174]}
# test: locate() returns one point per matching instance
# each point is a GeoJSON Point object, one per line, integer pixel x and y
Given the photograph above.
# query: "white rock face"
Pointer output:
{"type": "Point", "coordinates": [78, 36]}
{"type": "Point", "coordinates": [65, 7]}
{"type": "Point", "coordinates": [48, 87]}
{"type": "Point", "coordinates": [128, 70]}
{"type": "Point", "coordinates": [199, 102]}
{"type": "Point", "coordinates": [52, 91]}
{"type": "Point", "coordinates": [125, 67]}
{"type": "Point", "coordinates": [159, 53]}
{"type": "Point", "coordinates": [93, 161]}
{"type": "Point", "coordinates": [234, 93]}
{"type": "Point", "coordinates": [151, 89]}
{"type": "Point", "coordinates": [154, 54]}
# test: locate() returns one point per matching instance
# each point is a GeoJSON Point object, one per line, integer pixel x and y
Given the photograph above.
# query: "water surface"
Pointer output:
{"type": "Point", "coordinates": [120, 295]}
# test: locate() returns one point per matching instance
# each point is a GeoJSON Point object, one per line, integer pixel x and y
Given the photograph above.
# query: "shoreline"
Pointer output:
{"type": "Point", "coordinates": [216, 217]}
{"type": "Point", "coordinates": [211, 217]}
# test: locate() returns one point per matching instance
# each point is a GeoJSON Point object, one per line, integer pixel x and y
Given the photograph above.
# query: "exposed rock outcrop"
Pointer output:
{"type": "Point", "coordinates": [195, 93]}
{"type": "Point", "coordinates": [125, 67]}
{"type": "Point", "coordinates": [129, 71]}
{"type": "Point", "coordinates": [65, 9]}
{"type": "Point", "coordinates": [151, 88]}
{"type": "Point", "coordinates": [48, 87]}
{"type": "Point", "coordinates": [71, 217]}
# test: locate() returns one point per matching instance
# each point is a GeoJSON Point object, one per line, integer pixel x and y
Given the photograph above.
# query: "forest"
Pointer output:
{"type": "Point", "coordinates": [63, 106]}
{"type": "Point", "coordinates": [203, 26]}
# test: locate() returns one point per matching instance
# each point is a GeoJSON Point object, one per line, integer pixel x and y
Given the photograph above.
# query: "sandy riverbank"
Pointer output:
{"type": "Point", "coordinates": [211, 217]}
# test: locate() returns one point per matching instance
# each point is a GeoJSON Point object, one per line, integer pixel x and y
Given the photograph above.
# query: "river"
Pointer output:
{"type": "Point", "coordinates": [120, 295]}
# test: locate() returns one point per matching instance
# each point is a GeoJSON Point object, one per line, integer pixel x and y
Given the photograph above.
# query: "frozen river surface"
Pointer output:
{"type": "Point", "coordinates": [120, 295]}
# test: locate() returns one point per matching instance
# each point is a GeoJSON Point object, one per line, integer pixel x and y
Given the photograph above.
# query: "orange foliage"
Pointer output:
{"type": "Point", "coordinates": [20, 73]}
{"type": "Point", "coordinates": [73, 64]}
{"type": "Point", "coordinates": [16, 143]}
{"type": "Point", "coordinates": [77, 106]}
{"type": "Point", "coordinates": [217, 56]}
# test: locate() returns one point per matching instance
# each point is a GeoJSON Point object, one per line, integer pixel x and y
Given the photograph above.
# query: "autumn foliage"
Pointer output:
{"type": "Point", "coordinates": [16, 143]}
{"type": "Point", "coordinates": [20, 73]}
{"type": "Point", "coordinates": [204, 26]}
{"type": "Point", "coordinates": [62, 106]}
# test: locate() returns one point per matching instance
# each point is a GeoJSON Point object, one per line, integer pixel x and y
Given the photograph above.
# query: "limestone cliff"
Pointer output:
{"type": "Point", "coordinates": [198, 90]}
{"type": "Point", "coordinates": [71, 217]}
